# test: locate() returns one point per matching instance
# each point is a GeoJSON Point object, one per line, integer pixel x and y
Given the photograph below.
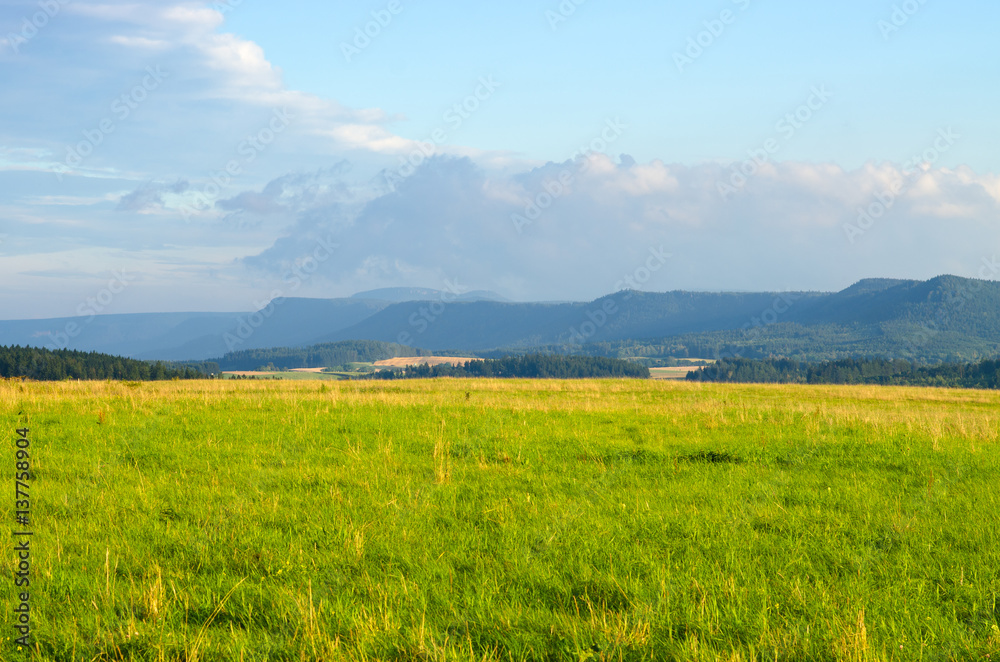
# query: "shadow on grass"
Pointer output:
{"type": "Point", "coordinates": [711, 457]}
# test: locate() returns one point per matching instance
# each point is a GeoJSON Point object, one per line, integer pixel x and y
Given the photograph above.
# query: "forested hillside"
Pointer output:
{"type": "Point", "coordinates": [48, 365]}
{"type": "Point", "coordinates": [807, 343]}
{"type": "Point", "coordinates": [944, 319]}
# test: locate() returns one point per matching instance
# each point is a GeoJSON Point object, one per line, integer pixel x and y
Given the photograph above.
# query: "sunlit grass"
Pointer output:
{"type": "Point", "coordinates": [508, 520]}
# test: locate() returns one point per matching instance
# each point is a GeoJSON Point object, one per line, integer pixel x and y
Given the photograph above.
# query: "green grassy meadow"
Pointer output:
{"type": "Point", "coordinates": [506, 520]}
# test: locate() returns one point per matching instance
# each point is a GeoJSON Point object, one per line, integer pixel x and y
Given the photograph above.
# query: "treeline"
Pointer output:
{"type": "Point", "coordinates": [316, 356]}
{"type": "Point", "coordinates": [913, 341]}
{"type": "Point", "coordinates": [898, 372]}
{"type": "Point", "coordinates": [204, 367]}
{"type": "Point", "coordinates": [53, 365]}
{"type": "Point", "coordinates": [531, 366]}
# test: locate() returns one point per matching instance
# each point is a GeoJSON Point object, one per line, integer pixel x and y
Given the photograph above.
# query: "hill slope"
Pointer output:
{"type": "Point", "coordinates": [191, 336]}
{"type": "Point", "coordinates": [945, 318]}
{"type": "Point", "coordinates": [487, 325]}
{"type": "Point", "coordinates": [401, 294]}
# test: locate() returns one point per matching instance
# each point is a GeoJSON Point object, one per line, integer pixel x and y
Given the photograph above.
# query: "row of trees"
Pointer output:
{"type": "Point", "coordinates": [316, 356]}
{"type": "Point", "coordinates": [48, 365]}
{"type": "Point", "coordinates": [914, 341]}
{"type": "Point", "coordinates": [531, 366]}
{"type": "Point", "coordinates": [898, 372]}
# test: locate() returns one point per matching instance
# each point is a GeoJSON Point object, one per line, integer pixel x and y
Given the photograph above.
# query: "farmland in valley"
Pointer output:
{"type": "Point", "coordinates": [405, 361]}
{"type": "Point", "coordinates": [677, 372]}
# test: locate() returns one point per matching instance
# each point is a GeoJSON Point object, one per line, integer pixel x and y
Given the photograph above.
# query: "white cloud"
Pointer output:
{"type": "Point", "coordinates": [247, 71]}
{"type": "Point", "coordinates": [452, 218]}
{"type": "Point", "coordinates": [140, 43]}
{"type": "Point", "coordinates": [73, 200]}
{"type": "Point", "coordinates": [216, 89]}
{"type": "Point", "coordinates": [374, 138]}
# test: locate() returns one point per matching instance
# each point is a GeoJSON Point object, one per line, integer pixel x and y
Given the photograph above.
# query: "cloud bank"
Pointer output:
{"type": "Point", "coordinates": [572, 230]}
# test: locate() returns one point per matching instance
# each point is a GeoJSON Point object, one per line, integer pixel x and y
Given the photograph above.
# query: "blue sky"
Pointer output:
{"type": "Point", "coordinates": [612, 59]}
{"type": "Point", "coordinates": [552, 146]}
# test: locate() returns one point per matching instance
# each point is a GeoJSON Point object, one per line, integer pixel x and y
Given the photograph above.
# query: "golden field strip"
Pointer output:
{"type": "Point", "coordinates": [405, 361]}
{"type": "Point", "coordinates": [679, 372]}
{"type": "Point", "coordinates": [507, 520]}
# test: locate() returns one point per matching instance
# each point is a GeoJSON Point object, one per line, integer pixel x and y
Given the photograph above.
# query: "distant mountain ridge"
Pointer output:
{"type": "Point", "coordinates": [945, 318]}
{"type": "Point", "coordinates": [192, 336]}
{"type": "Point", "coordinates": [871, 285]}
{"type": "Point", "coordinates": [403, 294]}
{"type": "Point", "coordinates": [486, 325]}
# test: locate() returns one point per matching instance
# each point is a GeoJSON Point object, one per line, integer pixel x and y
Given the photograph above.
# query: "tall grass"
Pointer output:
{"type": "Point", "coordinates": [514, 520]}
